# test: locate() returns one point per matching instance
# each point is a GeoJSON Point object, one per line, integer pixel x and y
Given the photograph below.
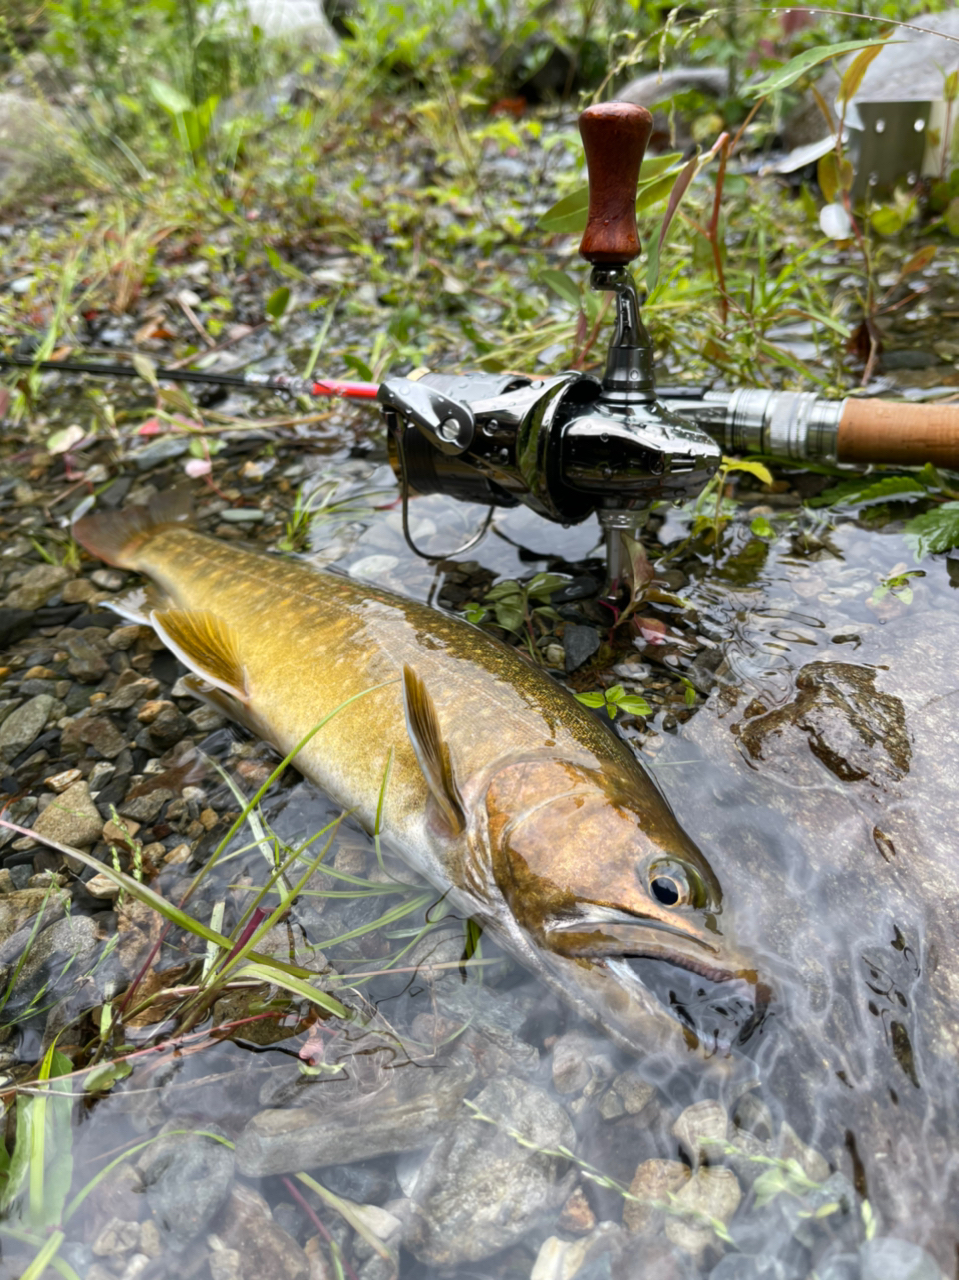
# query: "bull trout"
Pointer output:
{"type": "Point", "coordinates": [504, 792]}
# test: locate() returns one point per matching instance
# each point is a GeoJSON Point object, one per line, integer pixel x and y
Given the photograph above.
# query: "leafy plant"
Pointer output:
{"type": "Point", "coordinates": [615, 699]}
{"type": "Point", "coordinates": [709, 516]}
{"type": "Point", "coordinates": [513, 606]}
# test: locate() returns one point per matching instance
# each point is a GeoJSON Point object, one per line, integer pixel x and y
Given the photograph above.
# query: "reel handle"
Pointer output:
{"type": "Point", "coordinates": [614, 136]}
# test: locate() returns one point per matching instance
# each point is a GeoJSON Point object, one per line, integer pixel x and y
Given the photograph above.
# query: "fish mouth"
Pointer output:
{"type": "Point", "coordinates": [617, 936]}
{"type": "Point", "coordinates": [641, 956]}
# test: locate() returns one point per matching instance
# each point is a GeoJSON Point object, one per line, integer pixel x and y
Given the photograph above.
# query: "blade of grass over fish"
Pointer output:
{"type": "Point", "coordinates": [238, 955]}
{"type": "Point", "coordinates": [381, 800]}
{"type": "Point", "coordinates": [238, 822]}
{"type": "Point", "coordinates": [346, 1211]}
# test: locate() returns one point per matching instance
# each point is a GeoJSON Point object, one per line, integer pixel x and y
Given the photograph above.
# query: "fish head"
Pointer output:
{"type": "Point", "coordinates": [598, 873]}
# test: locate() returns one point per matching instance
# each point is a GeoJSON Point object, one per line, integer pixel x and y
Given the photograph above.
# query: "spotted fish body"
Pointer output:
{"type": "Point", "coordinates": [502, 790]}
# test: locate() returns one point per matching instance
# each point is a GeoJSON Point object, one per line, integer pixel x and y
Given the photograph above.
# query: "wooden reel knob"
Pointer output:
{"type": "Point", "coordinates": [614, 136]}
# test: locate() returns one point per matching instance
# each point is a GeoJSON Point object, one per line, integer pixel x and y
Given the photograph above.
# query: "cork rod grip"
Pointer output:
{"type": "Point", "coordinates": [908, 434]}
{"type": "Point", "coordinates": [614, 136]}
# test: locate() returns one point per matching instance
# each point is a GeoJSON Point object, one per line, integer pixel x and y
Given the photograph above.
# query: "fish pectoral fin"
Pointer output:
{"type": "Point", "coordinates": [432, 752]}
{"type": "Point", "coordinates": [207, 645]}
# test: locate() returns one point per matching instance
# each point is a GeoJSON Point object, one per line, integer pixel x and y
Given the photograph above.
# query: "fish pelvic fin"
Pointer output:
{"type": "Point", "coordinates": [115, 536]}
{"type": "Point", "coordinates": [207, 645]}
{"type": "Point", "coordinates": [432, 753]}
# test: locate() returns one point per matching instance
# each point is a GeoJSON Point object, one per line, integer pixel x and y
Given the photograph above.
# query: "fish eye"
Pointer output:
{"type": "Point", "coordinates": [672, 886]}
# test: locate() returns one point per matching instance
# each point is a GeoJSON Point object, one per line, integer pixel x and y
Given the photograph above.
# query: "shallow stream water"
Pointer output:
{"type": "Point", "coordinates": [464, 1118]}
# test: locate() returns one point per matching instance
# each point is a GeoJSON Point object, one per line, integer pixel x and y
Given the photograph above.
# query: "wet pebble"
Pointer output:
{"type": "Point", "coordinates": [702, 1130]}
{"type": "Point", "coordinates": [96, 732]}
{"type": "Point", "coordinates": [72, 818]}
{"type": "Point", "coordinates": [713, 1192]}
{"type": "Point", "coordinates": [654, 1180]}
{"type": "Point", "coordinates": [579, 644]}
{"type": "Point", "coordinates": [24, 725]}
{"type": "Point", "coordinates": [37, 586]}
{"type": "Point", "coordinates": [578, 1058]}
{"type": "Point", "coordinates": [246, 1225]}
{"type": "Point", "coordinates": [187, 1176]}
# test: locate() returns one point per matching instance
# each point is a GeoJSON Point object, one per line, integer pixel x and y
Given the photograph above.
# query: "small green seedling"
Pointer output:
{"type": "Point", "coordinates": [616, 699]}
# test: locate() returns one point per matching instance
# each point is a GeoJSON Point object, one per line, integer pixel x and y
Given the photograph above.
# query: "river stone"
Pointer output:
{"type": "Point", "coordinates": [24, 724]}
{"type": "Point", "coordinates": [72, 818]}
{"type": "Point", "coordinates": [20, 906]}
{"type": "Point", "coordinates": [479, 1190]}
{"type": "Point", "coordinates": [76, 937]}
{"type": "Point", "coordinates": [43, 580]}
{"type": "Point", "coordinates": [391, 1111]}
{"type": "Point", "coordinates": [702, 1129]}
{"type": "Point", "coordinates": [711, 1192]}
{"type": "Point", "coordinates": [847, 890]}
{"type": "Point", "coordinates": [267, 1252]}
{"type": "Point", "coordinates": [96, 732]}
{"type": "Point", "coordinates": [187, 1177]}
{"type": "Point", "coordinates": [654, 1180]}
{"type": "Point", "coordinates": [87, 664]}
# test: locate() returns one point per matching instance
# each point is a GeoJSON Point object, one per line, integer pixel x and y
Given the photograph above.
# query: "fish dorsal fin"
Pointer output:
{"type": "Point", "coordinates": [432, 753]}
{"type": "Point", "coordinates": [207, 645]}
{"type": "Point", "coordinates": [114, 536]}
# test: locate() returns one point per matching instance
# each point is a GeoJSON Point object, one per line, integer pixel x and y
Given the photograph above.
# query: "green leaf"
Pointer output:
{"type": "Point", "coordinates": [860, 491]}
{"type": "Point", "coordinates": [508, 616]}
{"type": "Point", "coordinates": [653, 166]}
{"type": "Point", "coordinates": [146, 369]}
{"type": "Point", "coordinates": [297, 986]}
{"type": "Point", "coordinates": [591, 699]}
{"type": "Point", "coordinates": [278, 302]}
{"type": "Point", "coordinates": [509, 590]}
{"type": "Point", "coordinates": [652, 192]}
{"type": "Point", "coordinates": [615, 693]}
{"type": "Point", "coordinates": [562, 285]}
{"type": "Point", "coordinates": [790, 71]}
{"type": "Point", "coordinates": [887, 220]}
{"type": "Point", "coordinates": [567, 216]}
{"type": "Point", "coordinates": [655, 249]}
{"type": "Point", "coordinates": [105, 1077]}
{"type": "Point", "coordinates": [762, 528]}
{"type": "Point", "coordinates": [952, 217]}
{"type": "Point", "coordinates": [634, 705]}
{"type": "Point", "coordinates": [475, 613]}
{"type": "Point", "coordinates": [169, 98]}
{"type": "Point", "coordinates": [542, 585]}
{"type": "Point", "coordinates": [936, 530]}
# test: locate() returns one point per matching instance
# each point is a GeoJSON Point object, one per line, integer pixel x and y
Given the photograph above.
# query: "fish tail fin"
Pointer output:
{"type": "Point", "coordinates": [115, 536]}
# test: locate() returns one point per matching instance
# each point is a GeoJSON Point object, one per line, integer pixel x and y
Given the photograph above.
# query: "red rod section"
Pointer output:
{"type": "Point", "coordinates": [348, 390]}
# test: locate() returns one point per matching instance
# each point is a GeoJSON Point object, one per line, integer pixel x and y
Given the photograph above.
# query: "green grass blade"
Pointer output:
{"type": "Point", "coordinates": [266, 973]}
{"type": "Point", "coordinates": [44, 1257]}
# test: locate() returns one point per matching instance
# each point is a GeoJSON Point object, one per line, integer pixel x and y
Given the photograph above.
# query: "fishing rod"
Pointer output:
{"type": "Point", "coordinates": [256, 381]}
{"type": "Point", "coordinates": [572, 444]}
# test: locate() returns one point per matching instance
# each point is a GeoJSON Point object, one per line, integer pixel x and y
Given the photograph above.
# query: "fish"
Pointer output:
{"type": "Point", "coordinates": [502, 790]}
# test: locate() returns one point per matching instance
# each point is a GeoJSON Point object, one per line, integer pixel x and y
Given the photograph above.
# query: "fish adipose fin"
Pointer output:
{"type": "Point", "coordinates": [114, 536]}
{"type": "Point", "coordinates": [207, 645]}
{"type": "Point", "coordinates": [432, 753]}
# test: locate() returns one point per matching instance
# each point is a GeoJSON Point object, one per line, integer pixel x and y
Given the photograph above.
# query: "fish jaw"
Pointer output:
{"type": "Point", "coordinates": [587, 862]}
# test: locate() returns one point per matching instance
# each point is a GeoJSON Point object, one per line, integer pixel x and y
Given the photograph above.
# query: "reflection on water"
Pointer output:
{"type": "Point", "coordinates": [462, 1123]}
